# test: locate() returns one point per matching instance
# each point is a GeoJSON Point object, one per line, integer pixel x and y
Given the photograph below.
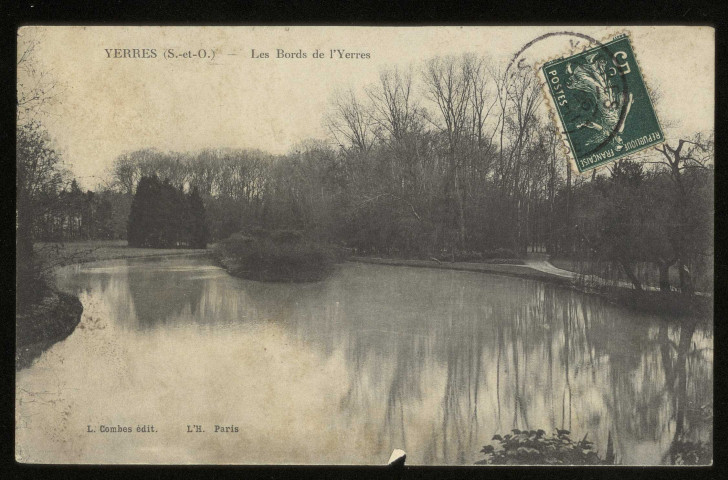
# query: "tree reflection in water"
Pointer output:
{"type": "Point", "coordinates": [437, 361]}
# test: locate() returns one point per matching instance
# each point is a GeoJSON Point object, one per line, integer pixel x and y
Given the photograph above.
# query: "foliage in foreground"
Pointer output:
{"type": "Point", "coordinates": [683, 452]}
{"type": "Point", "coordinates": [533, 447]}
{"type": "Point", "coordinates": [278, 256]}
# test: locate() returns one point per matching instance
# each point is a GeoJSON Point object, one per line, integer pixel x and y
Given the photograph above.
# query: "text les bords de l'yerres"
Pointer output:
{"type": "Point", "coordinates": [279, 53]}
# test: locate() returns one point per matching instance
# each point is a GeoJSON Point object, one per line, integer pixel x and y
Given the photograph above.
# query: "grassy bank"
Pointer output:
{"type": "Point", "coordinates": [277, 257]}
{"type": "Point", "coordinates": [515, 270]}
{"type": "Point", "coordinates": [60, 254]}
{"type": "Point", "coordinates": [500, 256]}
{"type": "Point", "coordinates": [671, 304]}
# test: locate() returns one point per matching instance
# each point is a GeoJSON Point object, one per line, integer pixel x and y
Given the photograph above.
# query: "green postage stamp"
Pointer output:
{"type": "Point", "coordinates": [603, 104]}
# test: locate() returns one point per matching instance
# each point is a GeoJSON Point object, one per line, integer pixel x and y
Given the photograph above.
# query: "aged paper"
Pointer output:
{"type": "Point", "coordinates": [343, 245]}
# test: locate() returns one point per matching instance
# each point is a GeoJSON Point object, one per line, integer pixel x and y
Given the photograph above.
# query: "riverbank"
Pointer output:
{"type": "Point", "coordinates": [41, 325]}
{"type": "Point", "coordinates": [646, 301]}
{"type": "Point", "coordinates": [55, 317]}
{"type": "Point", "coordinates": [523, 271]}
{"type": "Point", "coordinates": [647, 272]}
{"type": "Point", "coordinates": [70, 253]}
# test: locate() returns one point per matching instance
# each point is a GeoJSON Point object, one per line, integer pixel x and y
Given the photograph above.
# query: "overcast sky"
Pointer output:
{"type": "Point", "coordinates": [110, 105]}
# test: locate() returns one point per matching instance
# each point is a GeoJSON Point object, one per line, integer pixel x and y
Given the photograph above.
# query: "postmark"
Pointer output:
{"type": "Point", "coordinates": [602, 104]}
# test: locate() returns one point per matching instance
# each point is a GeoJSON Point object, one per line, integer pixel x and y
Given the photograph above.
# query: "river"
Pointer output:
{"type": "Point", "coordinates": [434, 362]}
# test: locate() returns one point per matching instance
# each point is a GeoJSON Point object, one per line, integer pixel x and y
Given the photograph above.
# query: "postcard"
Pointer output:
{"type": "Point", "coordinates": [309, 245]}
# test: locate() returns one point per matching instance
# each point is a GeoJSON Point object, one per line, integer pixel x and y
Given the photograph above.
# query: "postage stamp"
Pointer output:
{"type": "Point", "coordinates": [603, 104]}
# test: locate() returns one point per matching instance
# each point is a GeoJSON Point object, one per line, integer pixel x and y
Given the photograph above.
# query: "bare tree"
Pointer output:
{"type": "Point", "coordinates": [37, 87]}
{"type": "Point", "coordinates": [447, 84]}
{"type": "Point", "coordinates": [395, 111]}
{"type": "Point", "coordinates": [39, 171]}
{"type": "Point", "coordinates": [518, 96]}
{"type": "Point", "coordinates": [481, 105]}
{"type": "Point", "coordinates": [126, 173]}
{"type": "Point", "coordinates": [350, 122]}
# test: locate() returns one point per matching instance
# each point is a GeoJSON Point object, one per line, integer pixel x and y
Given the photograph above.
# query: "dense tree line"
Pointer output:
{"type": "Point", "coordinates": [455, 158]}
{"type": "Point", "coordinates": [230, 182]}
{"type": "Point", "coordinates": [164, 216]}
{"type": "Point", "coordinates": [38, 179]}
{"type": "Point", "coordinates": [78, 215]}
{"type": "Point", "coordinates": [651, 216]}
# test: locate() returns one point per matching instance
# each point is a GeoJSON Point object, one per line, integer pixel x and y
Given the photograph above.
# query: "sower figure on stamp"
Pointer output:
{"type": "Point", "coordinates": [592, 78]}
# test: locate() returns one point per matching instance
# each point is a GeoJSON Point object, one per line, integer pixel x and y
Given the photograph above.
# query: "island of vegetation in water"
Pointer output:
{"type": "Point", "coordinates": [278, 256]}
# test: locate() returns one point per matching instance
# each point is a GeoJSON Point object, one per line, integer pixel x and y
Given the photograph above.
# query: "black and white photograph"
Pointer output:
{"type": "Point", "coordinates": [338, 245]}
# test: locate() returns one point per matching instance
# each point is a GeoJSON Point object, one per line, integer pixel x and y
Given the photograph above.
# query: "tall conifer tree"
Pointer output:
{"type": "Point", "coordinates": [162, 216]}
{"type": "Point", "coordinates": [198, 231]}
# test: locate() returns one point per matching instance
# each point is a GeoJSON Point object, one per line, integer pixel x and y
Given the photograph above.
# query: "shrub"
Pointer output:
{"type": "Point", "coordinates": [684, 452]}
{"type": "Point", "coordinates": [533, 447]}
{"type": "Point", "coordinates": [278, 256]}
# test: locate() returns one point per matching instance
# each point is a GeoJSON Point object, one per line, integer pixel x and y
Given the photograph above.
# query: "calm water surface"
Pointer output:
{"type": "Point", "coordinates": [434, 362]}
